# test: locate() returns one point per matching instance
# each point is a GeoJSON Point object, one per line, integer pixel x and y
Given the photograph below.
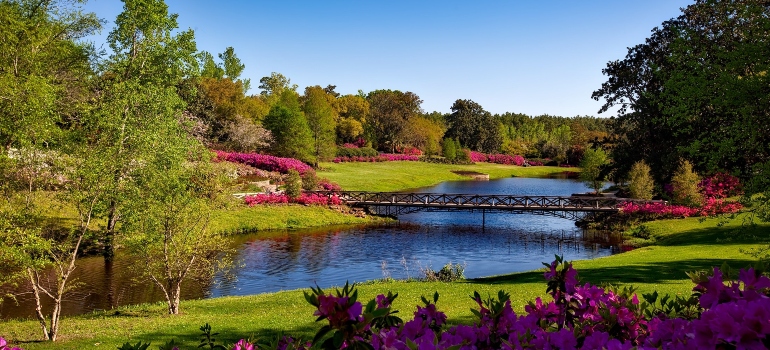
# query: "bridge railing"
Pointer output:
{"type": "Point", "coordinates": [362, 198]}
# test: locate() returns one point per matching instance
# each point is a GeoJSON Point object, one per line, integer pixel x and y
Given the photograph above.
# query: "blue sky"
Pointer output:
{"type": "Point", "coordinates": [532, 57]}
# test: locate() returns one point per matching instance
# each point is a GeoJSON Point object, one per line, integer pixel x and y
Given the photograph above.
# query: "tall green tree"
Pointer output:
{"type": "Point", "coordinates": [273, 87]}
{"type": "Point", "coordinates": [695, 89]}
{"type": "Point", "coordinates": [292, 136]}
{"type": "Point", "coordinates": [474, 127]}
{"type": "Point", "coordinates": [139, 100]}
{"type": "Point", "coordinates": [594, 159]}
{"type": "Point", "coordinates": [640, 182]}
{"type": "Point", "coordinates": [390, 112]}
{"type": "Point", "coordinates": [321, 120]}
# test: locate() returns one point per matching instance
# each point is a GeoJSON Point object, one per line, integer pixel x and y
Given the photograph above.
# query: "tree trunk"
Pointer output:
{"type": "Point", "coordinates": [109, 234]}
{"type": "Point", "coordinates": [38, 304]}
{"type": "Point", "coordinates": [174, 299]}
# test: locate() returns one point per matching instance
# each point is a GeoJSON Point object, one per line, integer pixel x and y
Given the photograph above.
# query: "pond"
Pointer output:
{"type": "Point", "coordinates": [272, 261]}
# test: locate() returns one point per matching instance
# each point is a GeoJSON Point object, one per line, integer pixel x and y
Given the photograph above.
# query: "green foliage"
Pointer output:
{"type": "Point", "coordinates": [449, 273]}
{"type": "Point", "coordinates": [293, 186]}
{"type": "Point", "coordinates": [685, 182]}
{"type": "Point", "coordinates": [356, 152]}
{"type": "Point", "coordinates": [593, 161]}
{"type": "Point", "coordinates": [309, 181]}
{"type": "Point", "coordinates": [390, 112]}
{"type": "Point", "coordinates": [473, 127]}
{"type": "Point", "coordinates": [138, 346]}
{"type": "Point", "coordinates": [321, 120]}
{"type": "Point", "coordinates": [292, 136]}
{"type": "Point", "coordinates": [208, 340]}
{"type": "Point", "coordinates": [695, 89]}
{"type": "Point", "coordinates": [450, 149]}
{"type": "Point", "coordinates": [640, 182]}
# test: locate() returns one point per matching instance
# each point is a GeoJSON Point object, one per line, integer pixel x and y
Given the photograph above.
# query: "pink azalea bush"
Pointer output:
{"type": "Point", "coordinates": [720, 185]}
{"type": "Point", "coordinates": [4, 345]}
{"type": "Point", "coordinates": [327, 185]}
{"type": "Point", "coordinates": [412, 151]}
{"type": "Point", "coordinates": [477, 157]}
{"type": "Point", "coordinates": [349, 145]}
{"type": "Point", "coordinates": [580, 316]}
{"type": "Point", "coordinates": [505, 159]}
{"type": "Point", "coordinates": [264, 161]}
{"type": "Point", "coordinates": [383, 157]}
{"type": "Point", "coordinates": [304, 198]}
{"type": "Point", "coordinates": [710, 207]}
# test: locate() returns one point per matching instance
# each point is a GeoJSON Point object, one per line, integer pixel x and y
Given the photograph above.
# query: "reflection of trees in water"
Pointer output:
{"type": "Point", "coordinates": [99, 286]}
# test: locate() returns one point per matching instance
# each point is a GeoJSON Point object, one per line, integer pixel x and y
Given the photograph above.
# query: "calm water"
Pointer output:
{"type": "Point", "coordinates": [331, 256]}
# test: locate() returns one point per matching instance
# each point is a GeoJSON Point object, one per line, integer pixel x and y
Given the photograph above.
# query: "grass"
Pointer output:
{"type": "Point", "coordinates": [681, 245]}
{"type": "Point", "coordinates": [399, 176]}
{"type": "Point", "coordinates": [241, 219]}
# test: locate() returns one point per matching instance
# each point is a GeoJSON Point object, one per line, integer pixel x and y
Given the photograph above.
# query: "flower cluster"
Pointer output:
{"type": "Point", "coordinates": [720, 185]}
{"type": "Point", "coordinates": [505, 159]}
{"type": "Point", "coordinates": [305, 199]}
{"type": "Point", "coordinates": [737, 315]}
{"type": "Point", "coordinates": [534, 163]}
{"type": "Point", "coordinates": [4, 345]}
{"type": "Point", "coordinates": [327, 185]}
{"type": "Point", "coordinates": [477, 157]}
{"type": "Point", "coordinates": [710, 207]}
{"type": "Point", "coordinates": [264, 161]}
{"type": "Point", "coordinates": [349, 145]}
{"type": "Point", "coordinates": [384, 157]}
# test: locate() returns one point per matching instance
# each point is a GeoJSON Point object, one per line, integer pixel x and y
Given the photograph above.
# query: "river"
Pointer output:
{"type": "Point", "coordinates": [280, 260]}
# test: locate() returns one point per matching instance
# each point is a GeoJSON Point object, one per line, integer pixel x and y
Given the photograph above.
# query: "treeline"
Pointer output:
{"type": "Point", "coordinates": [311, 125]}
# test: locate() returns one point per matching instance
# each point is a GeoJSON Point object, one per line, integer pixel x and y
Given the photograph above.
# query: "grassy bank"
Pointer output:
{"type": "Point", "coordinates": [241, 218]}
{"type": "Point", "coordinates": [681, 245]}
{"type": "Point", "coordinates": [397, 176]}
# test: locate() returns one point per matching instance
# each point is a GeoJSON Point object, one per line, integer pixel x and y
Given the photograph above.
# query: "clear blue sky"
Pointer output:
{"type": "Point", "coordinates": [533, 57]}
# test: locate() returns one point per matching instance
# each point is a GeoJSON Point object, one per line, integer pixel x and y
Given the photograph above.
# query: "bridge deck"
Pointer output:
{"type": "Point", "coordinates": [477, 201]}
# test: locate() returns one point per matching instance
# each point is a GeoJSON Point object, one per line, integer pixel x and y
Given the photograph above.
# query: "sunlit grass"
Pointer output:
{"type": "Point", "coordinates": [398, 176]}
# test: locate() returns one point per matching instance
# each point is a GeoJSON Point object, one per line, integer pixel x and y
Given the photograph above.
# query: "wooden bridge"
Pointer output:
{"type": "Point", "coordinates": [396, 203]}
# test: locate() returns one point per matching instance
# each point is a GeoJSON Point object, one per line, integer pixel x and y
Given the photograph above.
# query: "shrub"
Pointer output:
{"type": "Point", "coordinates": [640, 184]}
{"type": "Point", "coordinates": [449, 273]}
{"type": "Point", "coordinates": [263, 161]}
{"type": "Point", "coordinates": [450, 149]}
{"type": "Point", "coordinates": [356, 152]}
{"type": "Point", "coordinates": [309, 181]}
{"type": "Point", "coordinates": [685, 185]}
{"type": "Point", "coordinates": [720, 185]}
{"type": "Point", "coordinates": [593, 161]}
{"type": "Point", "coordinates": [293, 186]}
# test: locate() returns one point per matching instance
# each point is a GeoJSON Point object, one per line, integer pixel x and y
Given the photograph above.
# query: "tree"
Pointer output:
{"type": "Point", "coordinates": [591, 168]}
{"type": "Point", "coordinates": [390, 111]}
{"type": "Point", "coordinates": [685, 183]}
{"type": "Point", "coordinates": [450, 149]}
{"type": "Point", "coordinates": [696, 89]}
{"type": "Point", "coordinates": [424, 134]}
{"type": "Point", "coordinates": [352, 114]}
{"type": "Point", "coordinates": [291, 134]}
{"type": "Point", "coordinates": [640, 182]}
{"type": "Point", "coordinates": [273, 87]}
{"type": "Point", "coordinates": [43, 84]}
{"type": "Point", "coordinates": [167, 228]}
{"type": "Point", "coordinates": [139, 100]}
{"type": "Point", "coordinates": [473, 127]}
{"type": "Point", "coordinates": [320, 118]}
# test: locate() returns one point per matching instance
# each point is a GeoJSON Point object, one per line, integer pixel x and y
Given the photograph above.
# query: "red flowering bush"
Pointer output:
{"type": "Point", "coordinates": [505, 159]}
{"type": "Point", "coordinates": [412, 151]}
{"type": "Point", "coordinates": [264, 161]}
{"type": "Point", "coordinates": [304, 198]}
{"type": "Point", "coordinates": [383, 157]}
{"type": "Point", "coordinates": [720, 185]}
{"type": "Point", "coordinates": [664, 210]}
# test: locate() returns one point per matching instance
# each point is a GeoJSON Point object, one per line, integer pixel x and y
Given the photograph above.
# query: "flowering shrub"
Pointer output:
{"type": "Point", "coordinates": [584, 316]}
{"type": "Point", "coordinates": [4, 345]}
{"type": "Point", "coordinates": [264, 161]}
{"type": "Point", "coordinates": [477, 157]}
{"type": "Point", "coordinates": [304, 198]}
{"type": "Point", "coordinates": [349, 145]}
{"type": "Point", "coordinates": [384, 157]}
{"type": "Point", "coordinates": [505, 159]}
{"type": "Point", "coordinates": [534, 163]}
{"type": "Point", "coordinates": [327, 185]}
{"type": "Point", "coordinates": [720, 185]}
{"type": "Point", "coordinates": [711, 207]}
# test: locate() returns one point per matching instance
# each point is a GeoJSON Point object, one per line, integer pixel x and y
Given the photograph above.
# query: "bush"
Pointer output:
{"type": "Point", "coordinates": [309, 181]}
{"type": "Point", "coordinates": [640, 183]}
{"type": "Point", "coordinates": [293, 186]}
{"type": "Point", "coordinates": [685, 186]}
{"type": "Point", "coordinates": [264, 161]}
{"type": "Point", "coordinates": [356, 152]}
{"type": "Point", "coordinates": [449, 273]}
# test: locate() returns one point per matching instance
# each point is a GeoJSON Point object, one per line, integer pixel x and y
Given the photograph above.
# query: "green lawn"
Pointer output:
{"type": "Point", "coordinates": [398, 176]}
{"type": "Point", "coordinates": [682, 245]}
